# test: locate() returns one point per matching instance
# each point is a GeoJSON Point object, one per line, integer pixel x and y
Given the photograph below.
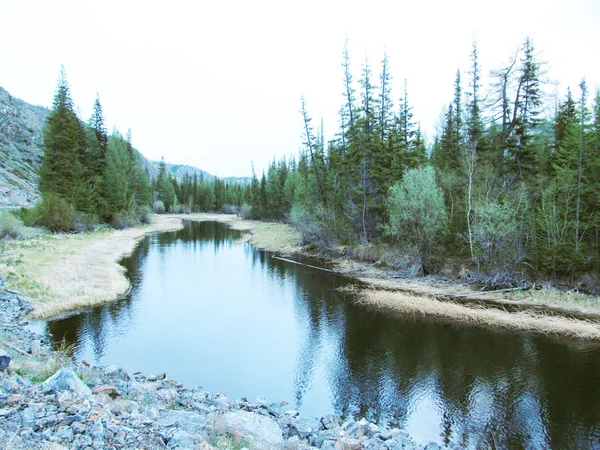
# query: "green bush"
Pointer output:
{"type": "Point", "coordinates": [416, 211]}
{"type": "Point", "coordinates": [11, 227]}
{"type": "Point", "coordinates": [54, 213]}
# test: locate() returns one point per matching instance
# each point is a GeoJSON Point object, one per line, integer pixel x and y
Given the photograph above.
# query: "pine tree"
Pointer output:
{"type": "Point", "coordinates": [61, 171]}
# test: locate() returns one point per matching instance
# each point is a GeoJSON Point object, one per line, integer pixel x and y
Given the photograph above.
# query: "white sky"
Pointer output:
{"type": "Point", "coordinates": [218, 84]}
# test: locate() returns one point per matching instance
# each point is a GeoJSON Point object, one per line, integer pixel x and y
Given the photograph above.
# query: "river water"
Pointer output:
{"type": "Point", "coordinates": [213, 311]}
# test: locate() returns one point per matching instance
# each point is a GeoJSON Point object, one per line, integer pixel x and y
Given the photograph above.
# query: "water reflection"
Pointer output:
{"type": "Point", "coordinates": [213, 311]}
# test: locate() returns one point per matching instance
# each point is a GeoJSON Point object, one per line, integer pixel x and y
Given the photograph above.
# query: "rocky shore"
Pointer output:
{"type": "Point", "coordinates": [61, 405]}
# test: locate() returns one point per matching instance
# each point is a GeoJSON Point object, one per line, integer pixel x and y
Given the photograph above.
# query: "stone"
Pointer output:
{"type": "Point", "coordinates": [303, 428]}
{"type": "Point", "coordinates": [330, 422]}
{"type": "Point", "coordinates": [65, 434]}
{"type": "Point", "coordinates": [4, 360]}
{"type": "Point", "coordinates": [259, 432]}
{"type": "Point", "coordinates": [106, 389]}
{"type": "Point", "coordinates": [190, 422]}
{"type": "Point", "coordinates": [65, 379]}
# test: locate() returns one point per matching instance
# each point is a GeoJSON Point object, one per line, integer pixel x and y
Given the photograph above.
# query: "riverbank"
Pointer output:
{"type": "Point", "coordinates": [66, 272]}
{"type": "Point", "coordinates": [46, 402]}
{"type": "Point", "coordinates": [62, 273]}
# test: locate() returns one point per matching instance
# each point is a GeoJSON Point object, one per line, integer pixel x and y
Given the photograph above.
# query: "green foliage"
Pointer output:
{"type": "Point", "coordinates": [53, 213]}
{"type": "Point", "coordinates": [417, 216]}
{"type": "Point", "coordinates": [11, 227]}
{"type": "Point", "coordinates": [496, 235]}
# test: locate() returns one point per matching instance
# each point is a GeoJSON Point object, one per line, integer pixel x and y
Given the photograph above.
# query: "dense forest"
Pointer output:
{"type": "Point", "coordinates": [509, 184]}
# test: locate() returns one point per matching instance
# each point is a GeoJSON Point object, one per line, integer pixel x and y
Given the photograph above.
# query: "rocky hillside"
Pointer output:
{"type": "Point", "coordinates": [21, 147]}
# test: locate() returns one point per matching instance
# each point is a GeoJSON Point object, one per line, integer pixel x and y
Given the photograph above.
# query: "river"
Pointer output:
{"type": "Point", "coordinates": [214, 311]}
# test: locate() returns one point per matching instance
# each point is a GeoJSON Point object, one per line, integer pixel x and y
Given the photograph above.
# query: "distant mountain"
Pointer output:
{"type": "Point", "coordinates": [21, 147]}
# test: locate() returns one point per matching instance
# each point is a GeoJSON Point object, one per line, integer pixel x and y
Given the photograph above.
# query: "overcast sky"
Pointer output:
{"type": "Point", "coordinates": [218, 84]}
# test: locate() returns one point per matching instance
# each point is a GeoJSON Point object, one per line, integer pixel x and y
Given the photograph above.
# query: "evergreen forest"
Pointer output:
{"type": "Point", "coordinates": [508, 185]}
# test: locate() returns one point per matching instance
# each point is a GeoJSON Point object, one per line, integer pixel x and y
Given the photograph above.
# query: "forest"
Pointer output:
{"type": "Point", "coordinates": [509, 185]}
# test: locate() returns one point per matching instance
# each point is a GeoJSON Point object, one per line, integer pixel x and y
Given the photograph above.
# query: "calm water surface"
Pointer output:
{"type": "Point", "coordinates": [224, 315]}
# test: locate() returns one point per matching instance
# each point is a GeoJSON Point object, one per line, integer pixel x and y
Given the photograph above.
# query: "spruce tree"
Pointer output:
{"type": "Point", "coordinates": [61, 171]}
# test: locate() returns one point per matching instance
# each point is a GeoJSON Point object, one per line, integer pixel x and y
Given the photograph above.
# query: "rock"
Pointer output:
{"type": "Point", "coordinates": [303, 428]}
{"type": "Point", "coordinates": [330, 422]}
{"type": "Point", "coordinates": [66, 379]}
{"type": "Point", "coordinates": [189, 422]}
{"type": "Point", "coordinates": [184, 440]}
{"type": "Point", "coordinates": [4, 360]}
{"type": "Point", "coordinates": [259, 432]}
{"type": "Point", "coordinates": [106, 389]}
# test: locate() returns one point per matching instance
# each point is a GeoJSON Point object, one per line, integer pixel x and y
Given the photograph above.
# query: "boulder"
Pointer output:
{"type": "Point", "coordinates": [65, 379]}
{"type": "Point", "coordinates": [190, 422]}
{"type": "Point", "coordinates": [253, 430]}
{"type": "Point", "coordinates": [4, 360]}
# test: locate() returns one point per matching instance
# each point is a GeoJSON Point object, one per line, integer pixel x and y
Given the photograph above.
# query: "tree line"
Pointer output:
{"type": "Point", "coordinates": [508, 183]}
{"type": "Point", "coordinates": [87, 176]}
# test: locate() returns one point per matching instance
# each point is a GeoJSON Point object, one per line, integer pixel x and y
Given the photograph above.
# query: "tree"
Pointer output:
{"type": "Point", "coordinates": [61, 170]}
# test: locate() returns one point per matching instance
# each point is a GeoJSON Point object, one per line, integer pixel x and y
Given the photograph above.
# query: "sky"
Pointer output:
{"type": "Point", "coordinates": [217, 85]}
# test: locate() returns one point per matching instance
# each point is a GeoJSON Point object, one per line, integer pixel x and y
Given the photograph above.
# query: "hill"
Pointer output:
{"type": "Point", "coordinates": [21, 147]}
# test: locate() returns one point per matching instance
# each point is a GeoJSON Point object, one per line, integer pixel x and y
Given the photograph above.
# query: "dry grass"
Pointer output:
{"type": "Point", "coordinates": [64, 272]}
{"type": "Point", "coordinates": [271, 236]}
{"type": "Point", "coordinates": [477, 315]}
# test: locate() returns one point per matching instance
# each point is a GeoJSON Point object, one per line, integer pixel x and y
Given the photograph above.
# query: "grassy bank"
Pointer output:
{"type": "Point", "coordinates": [272, 236]}
{"type": "Point", "coordinates": [65, 272]}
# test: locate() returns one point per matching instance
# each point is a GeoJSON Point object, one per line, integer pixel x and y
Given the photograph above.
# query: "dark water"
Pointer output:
{"type": "Point", "coordinates": [231, 318]}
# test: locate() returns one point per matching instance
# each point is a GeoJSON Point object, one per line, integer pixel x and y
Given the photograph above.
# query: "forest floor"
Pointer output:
{"type": "Point", "coordinates": [66, 272]}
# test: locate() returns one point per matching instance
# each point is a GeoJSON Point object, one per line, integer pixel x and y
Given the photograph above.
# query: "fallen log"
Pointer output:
{"type": "Point", "coordinates": [302, 264]}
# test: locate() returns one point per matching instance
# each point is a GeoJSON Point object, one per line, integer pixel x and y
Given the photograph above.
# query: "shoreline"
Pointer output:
{"type": "Point", "coordinates": [72, 272]}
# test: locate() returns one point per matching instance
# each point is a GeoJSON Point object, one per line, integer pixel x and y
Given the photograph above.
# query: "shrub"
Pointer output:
{"type": "Point", "coordinates": [416, 210]}
{"type": "Point", "coordinates": [10, 226]}
{"type": "Point", "coordinates": [145, 214]}
{"type": "Point", "coordinates": [81, 221]}
{"type": "Point", "coordinates": [29, 216]}
{"type": "Point", "coordinates": [230, 209]}
{"type": "Point", "coordinates": [178, 209]}
{"type": "Point", "coordinates": [313, 226]}
{"type": "Point", "coordinates": [245, 211]}
{"type": "Point", "coordinates": [158, 207]}
{"type": "Point", "coordinates": [54, 213]}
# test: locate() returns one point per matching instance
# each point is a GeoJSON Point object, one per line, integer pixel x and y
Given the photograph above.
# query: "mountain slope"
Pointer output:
{"type": "Point", "coordinates": [21, 143]}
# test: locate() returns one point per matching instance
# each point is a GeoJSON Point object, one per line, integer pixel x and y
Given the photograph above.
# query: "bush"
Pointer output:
{"type": "Point", "coordinates": [81, 221]}
{"type": "Point", "coordinates": [178, 209]}
{"type": "Point", "coordinates": [29, 216]}
{"type": "Point", "coordinates": [245, 211]}
{"type": "Point", "coordinates": [158, 207]}
{"type": "Point", "coordinates": [11, 227]}
{"type": "Point", "coordinates": [230, 209]}
{"type": "Point", "coordinates": [416, 211]}
{"type": "Point", "coordinates": [145, 214]}
{"type": "Point", "coordinates": [313, 226]}
{"type": "Point", "coordinates": [54, 213]}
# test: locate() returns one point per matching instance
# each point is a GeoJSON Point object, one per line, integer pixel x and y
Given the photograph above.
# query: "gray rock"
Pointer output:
{"type": "Point", "coordinates": [330, 422]}
{"type": "Point", "coordinates": [190, 422]}
{"type": "Point", "coordinates": [259, 432]}
{"type": "Point", "coordinates": [66, 379]}
{"type": "Point", "coordinates": [4, 360]}
{"type": "Point", "coordinates": [303, 428]}
{"type": "Point", "coordinates": [65, 434]}
{"type": "Point", "coordinates": [183, 440]}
